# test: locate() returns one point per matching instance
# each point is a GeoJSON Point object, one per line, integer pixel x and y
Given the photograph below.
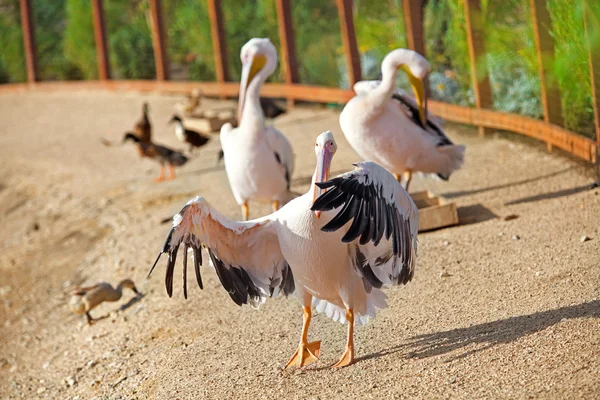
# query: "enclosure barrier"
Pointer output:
{"type": "Point", "coordinates": [548, 130]}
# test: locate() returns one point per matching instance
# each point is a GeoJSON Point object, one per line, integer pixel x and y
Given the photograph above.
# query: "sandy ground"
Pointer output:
{"type": "Point", "coordinates": [497, 309]}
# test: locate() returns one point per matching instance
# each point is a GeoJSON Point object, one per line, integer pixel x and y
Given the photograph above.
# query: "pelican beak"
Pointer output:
{"type": "Point", "coordinates": [419, 89]}
{"type": "Point", "coordinates": [322, 173]}
{"type": "Point", "coordinates": [249, 71]}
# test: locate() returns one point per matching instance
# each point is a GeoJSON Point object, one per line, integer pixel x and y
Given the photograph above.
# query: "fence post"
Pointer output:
{"type": "Point", "coordinates": [544, 44]}
{"type": "Point", "coordinates": [479, 73]}
{"type": "Point", "coordinates": [413, 20]}
{"type": "Point", "coordinates": [218, 41]}
{"type": "Point", "coordinates": [288, 43]}
{"type": "Point", "coordinates": [349, 39]}
{"type": "Point", "coordinates": [100, 38]}
{"type": "Point", "coordinates": [29, 40]}
{"type": "Point", "coordinates": [592, 32]}
{"type": "Point", "coordinates": [159, 41]}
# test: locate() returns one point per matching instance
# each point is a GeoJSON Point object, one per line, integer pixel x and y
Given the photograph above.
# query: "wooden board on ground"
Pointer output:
{"type": "Point", "coordinates": [209, 121]}
{"type": "Point", "coordinates": [434, 211]}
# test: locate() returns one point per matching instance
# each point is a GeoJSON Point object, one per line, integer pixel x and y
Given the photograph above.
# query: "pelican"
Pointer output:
{"type": "Point", "coordinates": [385, 125]}
{"type": "Point", "coordinates": [309, 247]}
{"type": "Point", "coordinates": [259, 160]}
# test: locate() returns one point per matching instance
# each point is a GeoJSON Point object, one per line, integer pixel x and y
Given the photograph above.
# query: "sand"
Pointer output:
{"type": "Point", "coordinates": [498, 308]}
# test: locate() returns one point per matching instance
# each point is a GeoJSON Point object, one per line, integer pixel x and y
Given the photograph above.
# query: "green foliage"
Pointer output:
{"type": "Point", "coordinates": [245, 20]}
{"type": "Point", "coordinates": [12, 56]}
{"type": "Point", "coordinates": [379, 29]}
{"type": "Point", "coordinates": [318, 42]}
{"type": "Point", "coordinates": [189, 38]}
{"type": "Point", "coordinates": [78, 43]}
{"type": "Point", "coordinates": [572, 68]}
{"type": "Point", "coordinates": [129, 39]}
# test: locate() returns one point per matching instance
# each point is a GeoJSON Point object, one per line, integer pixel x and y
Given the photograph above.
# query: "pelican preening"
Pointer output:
{"type": "Point", "coordinates": [384, 125]}
{"type": "Point", "coordinates": [333, 247]}
{"type": "Point", "coordinates": [259, 160]}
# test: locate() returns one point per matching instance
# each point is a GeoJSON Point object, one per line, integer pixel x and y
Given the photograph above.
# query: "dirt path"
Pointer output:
{"type": "Point", "coordinates": [498, 308]}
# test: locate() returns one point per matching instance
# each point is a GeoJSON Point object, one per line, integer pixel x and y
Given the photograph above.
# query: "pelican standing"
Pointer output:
{"type": "Point", "coordinates": [309, 247]}
{"type": "Point", "coordinates": [259, 160]}
{"type": "Point", "coordinates": [385, 125]}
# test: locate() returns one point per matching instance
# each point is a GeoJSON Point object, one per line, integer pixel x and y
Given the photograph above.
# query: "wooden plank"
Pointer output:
{"type": "Point", "coordinates": [159, 41]}
{"type": "Point", "coordinates": [29, 40]}
{"type": "Point", "coordinates": [561, 138]}
{"type": "Point", "coordinates": [544, 44]}
{"type": "Point", "coordinates": [434, 212]}
{"type": "Point", "coordinates": [288, 43]}
{"type": "Point", "coordinates": [592, 31]}
{"type": "Point", "coordinates": [349, 40]}
{"type": "Point", "coordinates": [100, 38]}
{"type": "Point", "coordinates": [475, 40]}
{"type": "Point", "coordinates": [217, 30]}
{"type": "Point", "coordinates": [413, 21]}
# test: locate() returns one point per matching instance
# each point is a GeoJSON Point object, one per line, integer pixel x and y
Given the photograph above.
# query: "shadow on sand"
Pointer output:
{"type": "Point", "coordinates": [462, 193]}
{"type": "Point", "coordinates": [554, 195]}
{"type": "Point", "coordinates": [489, 334]}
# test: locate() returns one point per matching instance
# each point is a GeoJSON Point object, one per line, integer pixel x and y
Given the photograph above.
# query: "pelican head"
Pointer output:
{"type": "Point", "coordinates": [325, 148]}
{"type": "Point", "coordinates": [259, 59]}
{"type": "Point", "coordinates": [416, 67]}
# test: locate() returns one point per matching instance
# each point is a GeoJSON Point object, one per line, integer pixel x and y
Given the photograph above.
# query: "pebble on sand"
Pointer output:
{"type": "Point", "coordinates": [585, 238]}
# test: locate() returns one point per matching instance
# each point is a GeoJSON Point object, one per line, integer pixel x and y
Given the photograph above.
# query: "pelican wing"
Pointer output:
{"type": "Point", "coordinates": [283, 151]}
{"type": "Point", "coordinates": [411, 109]}
{"type": "Point", "coordinates": [246, 255]}
{"type": "Point", "coordinates": [385, 220]}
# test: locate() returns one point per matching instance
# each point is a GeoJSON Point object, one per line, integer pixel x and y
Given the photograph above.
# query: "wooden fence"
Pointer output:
{"type": "Point", "coordinates": [548, 130]}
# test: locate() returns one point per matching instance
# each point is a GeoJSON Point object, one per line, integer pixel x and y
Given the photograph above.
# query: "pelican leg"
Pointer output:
{"type": "Point", "coordinates": [275, 205]}
{"type": "Point", "coordinates": [407, 178]}
{"type": "Point", "coordinates": [161, 177]}
{"type": "Point", "coordinates": [348, 356]}
{"type": "Point", "coordinates": [306, 353]}
{"type": "Point", "coordinates": [245, 211]}
{"type": "Point", "coordinates": [171, 172]}
{"type": "Point", "coordinates": [398, 177]}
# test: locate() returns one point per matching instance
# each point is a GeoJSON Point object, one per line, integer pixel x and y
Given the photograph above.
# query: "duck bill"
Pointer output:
{"type": "Point", "coordinates": [419, 89]}
{"type": "Point", "coordinates": [321, 174]}
{"type": "Point", "coordinates": [249, 71]}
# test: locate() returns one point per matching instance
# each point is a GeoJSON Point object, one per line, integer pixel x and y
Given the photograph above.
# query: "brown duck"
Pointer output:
{"type": "Point", "coordinates": [85, 299]}
{"type": "Point", "coordinates": [161, 154]}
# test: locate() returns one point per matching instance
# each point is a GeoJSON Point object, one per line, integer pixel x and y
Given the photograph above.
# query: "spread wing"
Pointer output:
{"type": "Point", "coordinates": [385, 220]}
{"type": "Point", "coordinates": [246, 255]}
{"type": "Point", "coordinates": [283, 151]}
{"type": "Point", "coordinates": [409, 106]}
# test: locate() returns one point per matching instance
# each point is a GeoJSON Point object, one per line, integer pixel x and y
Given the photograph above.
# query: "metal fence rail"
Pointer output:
{"type": "Point", "coordinates": [548, 130]}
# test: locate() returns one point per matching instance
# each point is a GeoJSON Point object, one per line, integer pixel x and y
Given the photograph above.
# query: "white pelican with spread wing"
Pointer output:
{"type": "Point", "coordinates": [385, 125]}
{"type": "Point", "coordinates": [334, 247]}
{"type": "Point", "coordinates": [258, 159]}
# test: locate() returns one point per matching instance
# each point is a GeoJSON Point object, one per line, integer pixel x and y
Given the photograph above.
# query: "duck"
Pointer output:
{"type": "Point", "coordinates": [143, 127]}
{"type": "Point", "coordinates": [186, 135]}
{"type": "Point", "coordinates": [161, 154]}
{"type": "Point", "coordinates": [386, 125]}
{"type": "Point", "coordinates": [85, 299]}
{"type": "Point", "coordinates": [259, 160]}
